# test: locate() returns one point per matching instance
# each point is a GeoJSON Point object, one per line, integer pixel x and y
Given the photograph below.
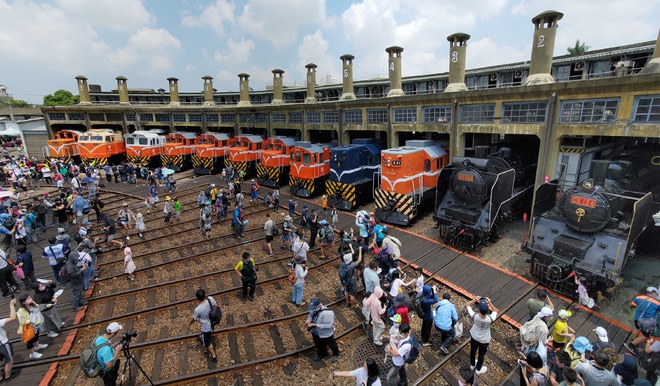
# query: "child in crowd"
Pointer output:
{"type": "Point", "coordinates": [129, 265]}
{"type": "Point", "coordinates": [583, 295]}
{"type": "Point", "coordinates": [394, 334]}
{"type": "Point", "coordinates": [562, 332]}
{"type": "Point", "coordinates": [139, 224]}
{"type": "Point", "coordinates": [176, 204]}
{"type": "Point", "coordinates": [206, 219]}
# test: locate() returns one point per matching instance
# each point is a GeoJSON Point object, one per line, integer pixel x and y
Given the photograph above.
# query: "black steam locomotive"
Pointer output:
{"type": "Point", "coordinates": [477, 197]}
{"type": "Point", "coordinates": [592, 229]}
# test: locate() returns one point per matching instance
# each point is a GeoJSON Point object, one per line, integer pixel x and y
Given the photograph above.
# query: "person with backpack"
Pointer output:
{"type": "Point", "coordinates": [248, 271]}
{"type": "Point", "coordinates": [237, 220]}
{"type": "Point", "coordinates": [480, 332]}
{"type": "Point", "coordinates": [56, 254]}
{"type": "Point", "coordinates": [107, 354]}
{"type": "Point", "coordinates": [347, 276]}
{"type": "Point", "coordinates": [321, 324]}
{"type": "Point", "coordinates": [201, 315]}
{"type": "Point", "coordinates": [401, 354]}
{"type": "Point", "coordinates": [646, 308]}
{"type": "Point", "coordinates": [74, 270]}
{"type": "Point", "coordinates": [327, 234]}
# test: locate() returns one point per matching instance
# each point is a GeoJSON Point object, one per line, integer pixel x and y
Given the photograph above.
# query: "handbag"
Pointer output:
{"type": "Point", "coordinates": [292, 276]}
{"type": "Point", "coordinates": [647, 325]}
{"type": "Point", "coordinates": [28, 333]}
{"type": "Point", "coordinates": [19, 272]}
{"type": "Point", "coordinates": [458, 329]}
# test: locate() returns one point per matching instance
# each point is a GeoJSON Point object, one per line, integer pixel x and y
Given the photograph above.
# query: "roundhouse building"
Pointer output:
{"type": "Point", "coordinates": [572, 108]}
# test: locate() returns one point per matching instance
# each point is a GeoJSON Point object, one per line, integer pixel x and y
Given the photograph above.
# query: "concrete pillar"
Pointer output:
{"type": "Point", "coordinates": [244, 86]}
{"type": "Point", "coordinates": [457, 53]}
{"type": "Point", "coordinates": [394, 66]}
{"type": "Point", "coordinates": [174, 91]}
{"type": "Point", "coordinates": [208, 90]}
{"type": "Point", "coordinates": [347, 75]}
{"type": "Point", "coordinates": [311, 83]}
{"type": "Point", "coordinates": [122, 89]}
{"type": "Point", "coordinates": [543, 45]}
{"type": "Point", "coordinates": [653, 66]}
{"type": "Point", "coordinates": [277, 87]}
{"type": "Point", "coordinates": [83, 90]}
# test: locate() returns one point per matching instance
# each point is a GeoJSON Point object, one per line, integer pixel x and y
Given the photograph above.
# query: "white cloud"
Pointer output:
{"type": "Point", "coordinates": [115, 15]}
{"type": "Point", "coordinates": [236, 52]}
{"type": "Point", "coordinates": [215, 16]}
{"type": "Point", "coordinates": [315, 49]}
{"type": "Point", "coordinates": [152, 49]}
{"type": "Point", "coordinates": [278, 22]}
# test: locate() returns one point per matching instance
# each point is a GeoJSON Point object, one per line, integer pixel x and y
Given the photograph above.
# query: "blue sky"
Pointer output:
{"type": "Point", "coordinates": [45, 44]}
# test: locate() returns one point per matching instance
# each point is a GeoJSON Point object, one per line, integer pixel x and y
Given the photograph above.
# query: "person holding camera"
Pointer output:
{"type": "Point", "coordinates": [480, 331]}
{"type": "Point", "coordinates": [75, 269]}
{"type": "Point", "coordinates": [108, 355]}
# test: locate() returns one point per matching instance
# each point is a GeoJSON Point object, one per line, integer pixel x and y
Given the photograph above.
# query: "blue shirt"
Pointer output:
{"type": "Point", "coordinates": [104, 354]}
{"type": "Point", "coordinates": [445, 315]}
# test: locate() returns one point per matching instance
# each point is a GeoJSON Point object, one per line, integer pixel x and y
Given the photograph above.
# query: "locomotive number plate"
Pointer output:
{"type": "Point", "coordinates": [588, 202]}
{"type": "Point", "coordinates": [465, 177]}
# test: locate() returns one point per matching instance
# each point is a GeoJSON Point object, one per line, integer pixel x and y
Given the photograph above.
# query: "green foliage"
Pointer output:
{"type": "Point", "coordinates": [578, 49]}
{"type": "Point", "coordinates": [61, 98]}
{"type": "Point", "coordinates": [9, 101]}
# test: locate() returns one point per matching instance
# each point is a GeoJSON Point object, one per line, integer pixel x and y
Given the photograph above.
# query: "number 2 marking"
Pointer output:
{"type": "Point", "coordinates": [541, 42]}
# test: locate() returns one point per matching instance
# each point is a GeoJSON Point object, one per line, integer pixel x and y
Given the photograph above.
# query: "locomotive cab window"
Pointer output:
{"type": "Point", "coordinates": [130, 141]}
{"type": "Point", "coordinates": [143, 141]}
{"type": "Point", "coordinates": [306, 158]}
{"type": "Point", "coordinates": [427, 165]}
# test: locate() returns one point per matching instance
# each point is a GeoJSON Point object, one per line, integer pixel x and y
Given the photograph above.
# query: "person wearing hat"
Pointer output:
{"type": "Point", "coordinates": [248, 270]}
{"type": "Point", "coordinates": [139, 224]}
{"type": "Point", "coordinates": [240, 197]}
{"type": "Point", "coordinates": [108, 353]}
{"type": "Point", "coordinates": [44, 294]}
{"type": "Point", "coordinates": [400, 304]}
{"type": "Point", "coordinates": [395, 335]}
{"type": "Point", "coordinates": [647, 308]}
{"type": "Point", "coordinates": [350, 278]}
{"type": "Point", "coordinates": [213, 193]}
{"type": "Point", "coordinates": [540, 300]}
{"type": "Point", "coordinates": [287, 232]}
{"type": "Point", "coordinates": [321, 324]}
{"type": "Point", "coordinates": [579, 349]}
{"type": "Point", "coordinates": [237, 220]}
{"type": "Point", "coordinates": [62, 237]}
{"type": "Point", "coordinates": [603, 341]}
{"type": "Point", "coordinates": [562, 331]}
{"type": "Point", "coordinates": [168, 209]}
{"type": "Point", "coordinates": [153, 197]}
{"type": "Point", "coordinates": [254, 191]}
{"type": "Point", "coordinates": [445, 319]}
{"type": "Point", "coordinates": [626, 371]}
{"type": "Point", "coordinates": [480, 332]}
{"type": "Point", "coordinates": [204, 213]}
{"type": "Point", "coordinates": [25, 262]}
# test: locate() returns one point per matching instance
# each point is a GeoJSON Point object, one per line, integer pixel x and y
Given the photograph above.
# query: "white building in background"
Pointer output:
{"type": "Point", "coordinates": [32, 132]}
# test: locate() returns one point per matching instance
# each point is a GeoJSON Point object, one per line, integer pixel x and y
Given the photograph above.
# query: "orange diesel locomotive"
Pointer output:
{"type": "Point", "coordinates": [310, 168]}
{"type": "Point", "coordinates": [144, 148]}
{"type": "Point", "coordinates": [210, 151]}
{"type": "Point", "coordinates": [244, 153]}
{"type": "Point", "coordinates": [409, 176]}
{"type": "Point", "coordinates": [101, 146]}
{"type": "Point", "coordinates": [63, 146]}
{"type": "Point", "coordinates": [178, 150]}
{"type": "Point", "coordinates": [273, 167]}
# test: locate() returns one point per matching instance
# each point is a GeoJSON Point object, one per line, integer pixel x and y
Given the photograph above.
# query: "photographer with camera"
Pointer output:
{"type": "Point", "coordinates": [108, 355]}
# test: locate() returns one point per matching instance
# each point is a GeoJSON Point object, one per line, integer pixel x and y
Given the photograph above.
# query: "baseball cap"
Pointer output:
{"type": "Point", "coordinates": [314, 303]}
{"type": "Point", "coordinates": [581, 344]}
{"type": "Point", "coordinates": [652, 290]}
{"type": "Point", "coordinates": [396, 318]}
{"type": "Point", "coordinates": [213, 185]}
{"type": "Point", "coordinates": [60, 230]}
{"type": "Point", "coordinates": [545, 312]}
{"type": "Point", "coordinates": [86, 223]}
{"type": "Point", "coordinates": [125, 204]}
{"type": "Point", "coordinates": [113, 327]}
{"type": "Point", "coordinates": [167, 198]}
{"type": "Point", "coordinates": [483, 306]}
{"type": "Point", "coordinates": [323, 222]}
{"type": "Point", "coordinates": [602, 334]}
{"type": "Point", "coordinates": [564, 314]}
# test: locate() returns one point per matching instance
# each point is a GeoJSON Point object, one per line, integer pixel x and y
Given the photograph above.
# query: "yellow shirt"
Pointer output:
{"type": "Point", "coordinates": [561, 327]}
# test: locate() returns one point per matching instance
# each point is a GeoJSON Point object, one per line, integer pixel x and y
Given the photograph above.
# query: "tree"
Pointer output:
{"type": "Point", "coordinates": [579, 49]}
{"type": "Point", "coordinates": [9, 101]}
{"type": "Point", "coordinates": [61, 98]}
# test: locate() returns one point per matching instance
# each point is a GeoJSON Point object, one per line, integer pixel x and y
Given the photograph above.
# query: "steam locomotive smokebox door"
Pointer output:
{"type": "Point", "coordinates": [570, 247]}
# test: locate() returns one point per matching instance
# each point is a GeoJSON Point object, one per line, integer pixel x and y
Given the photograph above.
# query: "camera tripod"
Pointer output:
{"type": "Point", "coordinates": [129, 357]}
